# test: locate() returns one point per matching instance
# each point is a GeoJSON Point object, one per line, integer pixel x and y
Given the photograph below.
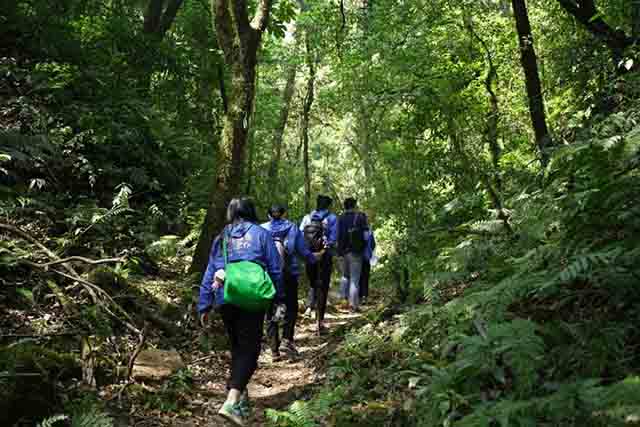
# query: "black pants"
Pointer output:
{"type": "Point", "coordinates": [319, 275]}
{"type": "Point", "coordinates": [291, 315]}
{"type": "Point", "coordinates": [244, 329]}
{"type": "Point", "coordinates": [364, 279]}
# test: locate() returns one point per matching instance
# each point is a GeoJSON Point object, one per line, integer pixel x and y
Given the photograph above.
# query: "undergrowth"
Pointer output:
{"type": "Point", "coordinates": [534, 328]}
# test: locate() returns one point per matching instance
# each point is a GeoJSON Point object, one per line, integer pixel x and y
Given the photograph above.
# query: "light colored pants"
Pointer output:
{"type": "Point", "coordinates": [350, 282]}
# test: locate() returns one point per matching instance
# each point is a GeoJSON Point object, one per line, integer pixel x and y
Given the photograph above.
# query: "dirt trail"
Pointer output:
{"type": "Point", "coordinates": [275, 385]}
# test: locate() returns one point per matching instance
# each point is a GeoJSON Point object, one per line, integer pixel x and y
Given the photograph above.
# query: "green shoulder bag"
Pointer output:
{"type": "Point", "coordinates": [246, 285]}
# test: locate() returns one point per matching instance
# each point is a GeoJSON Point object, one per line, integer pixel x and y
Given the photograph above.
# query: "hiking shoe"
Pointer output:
{"type": "Point", "coordinates": [245, 404]}
{"type": "Point", "coordinates": [233, 412]}
{"type": "Point", "coordinates": [288, 347]}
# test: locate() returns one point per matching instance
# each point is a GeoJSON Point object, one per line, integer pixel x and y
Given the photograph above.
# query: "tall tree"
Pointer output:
{"type": "Point", "coordinates": [239, 37]}
{"type": "Point", "coordinates": [532, 79]}
{"type": "Point", "coordinates": [278, 134]}
{"type": "Point", "coordinates": [304, 123]}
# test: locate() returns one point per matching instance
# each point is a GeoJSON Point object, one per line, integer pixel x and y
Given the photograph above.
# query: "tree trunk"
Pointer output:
{"type": "Point", "coordinates": [158, 21]}
{"type": "Point", "coordinates": [239, 39]}
{"type": "Point", "coordinates": [278, 136]}
{"type": "Point", "coordinates": [532, 79]}
{"type": "Point", "coordinates": [304, 126]}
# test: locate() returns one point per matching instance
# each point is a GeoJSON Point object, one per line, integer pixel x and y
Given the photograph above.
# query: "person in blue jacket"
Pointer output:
{"type": "Point", "coordinates": [319, 274]}
{"type": "Point", "coordinates": [291, 244]}
{"type": "Point", "coordinates": [247, 241]}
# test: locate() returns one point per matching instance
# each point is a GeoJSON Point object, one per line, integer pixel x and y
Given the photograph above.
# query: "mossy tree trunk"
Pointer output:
{"type": "Point", "coordinates": [239, 37]}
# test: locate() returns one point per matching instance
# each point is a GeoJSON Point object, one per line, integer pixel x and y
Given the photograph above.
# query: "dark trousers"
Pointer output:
{"type": "Point", "coordinates": [244, 329]}
{"type": "Point", "coordinates": [291, 315]}
{"type": "Point", "coordinates": [319, 275]}
{"type": "Point", "coordinates": [364, 279]}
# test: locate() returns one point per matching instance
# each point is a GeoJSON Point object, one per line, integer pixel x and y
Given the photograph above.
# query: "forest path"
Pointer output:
{"type": "Point", "coordinates": [275, 385]}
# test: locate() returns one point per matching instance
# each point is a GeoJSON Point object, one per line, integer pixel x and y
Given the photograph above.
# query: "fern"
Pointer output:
{"type": "Point", "coordinates": [92, 418]}
{"type": "Point", "coordinates": [51, 421]}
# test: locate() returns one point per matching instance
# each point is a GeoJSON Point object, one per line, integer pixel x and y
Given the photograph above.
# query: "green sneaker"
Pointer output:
{"type": "Point", "coordinates": [234, 413]}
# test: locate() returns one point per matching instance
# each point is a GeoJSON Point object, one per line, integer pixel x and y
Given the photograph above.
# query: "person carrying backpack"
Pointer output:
{"type": "Point", "coordinates": [320, 232]}
{"type": "Point", "coordinates": [290, 244]}
{"type": "Point", "coordinates": [243, 279]}
{"type": "Point", "coordinates": [353, 233]}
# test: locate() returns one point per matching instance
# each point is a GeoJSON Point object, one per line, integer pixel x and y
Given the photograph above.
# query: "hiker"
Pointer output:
{"type": "Point", "coordinates": [353, 232]}
{"type": "Point", "coordinates": [368, 260]}
{"type": "Point", "coordinates": [320, 232]}
{"type": "Point", "coordinates": [239, 257]}
{"type": "Point", "coordinates": [290, 244]}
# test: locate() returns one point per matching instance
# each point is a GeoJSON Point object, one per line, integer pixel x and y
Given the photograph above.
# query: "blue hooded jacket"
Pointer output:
{"type": "Point", "coordinates": [296, 245]}
{"type": "Point", "coordinates": [329, 219]}
{"type": "Point", "coordinates": [248, 242]}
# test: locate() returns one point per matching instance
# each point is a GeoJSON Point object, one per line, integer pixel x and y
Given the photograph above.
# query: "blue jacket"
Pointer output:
{"type": "Point", "coordinates": [248, 242]}
{"type": "Point", "coordinates": [331, 222]}
{"type": "Point", "coordinates": [296, 246]}
{"type": "Point", "coordinates": [371, 245]}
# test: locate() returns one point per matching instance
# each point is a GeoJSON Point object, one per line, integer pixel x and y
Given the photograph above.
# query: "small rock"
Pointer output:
{"type": "Point", "coordinates": [156, 364]}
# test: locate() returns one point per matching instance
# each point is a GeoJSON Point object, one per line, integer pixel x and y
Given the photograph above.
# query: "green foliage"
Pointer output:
{"type": "Point", "coordinates": [534, 328]}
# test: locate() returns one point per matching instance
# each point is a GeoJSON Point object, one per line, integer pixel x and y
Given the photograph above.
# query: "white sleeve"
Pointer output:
{"type": "Point", "coordinates": [304, 222]}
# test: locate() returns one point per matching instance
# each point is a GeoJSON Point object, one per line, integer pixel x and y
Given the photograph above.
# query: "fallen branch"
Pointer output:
{"type": "Point", "coordinates": [78, 259]}
{"type": "Point", "coordinates": [134, 356]}
{"type": "Point", "coordinates": [30, 238]}
{"type": "Point", "coordinates": [132, 360]}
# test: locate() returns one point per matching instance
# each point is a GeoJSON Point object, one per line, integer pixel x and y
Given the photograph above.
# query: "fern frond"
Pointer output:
{"type": "Point", "coordinates": [51, 421]}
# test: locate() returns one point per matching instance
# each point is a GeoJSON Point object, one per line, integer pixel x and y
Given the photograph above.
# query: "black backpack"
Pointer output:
{"type": "Point", "coordinates": [355, 240]}
{"type": "Point", "coordinates": [315, 232]}
{"type": "Point", "coordinates": [282, 245]}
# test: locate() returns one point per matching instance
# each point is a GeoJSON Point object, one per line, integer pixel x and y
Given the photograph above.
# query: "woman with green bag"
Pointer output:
{"type": "Point", "coordinates": [243, 278]}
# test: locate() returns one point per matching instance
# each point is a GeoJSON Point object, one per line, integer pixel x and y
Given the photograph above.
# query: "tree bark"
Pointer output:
{"type": "Point", "coordinates": [532, 79]}
{"type": "Point", "coordinates": [239, 39]}
{"type": "Point", "coordinates": [304, 125]}
{"type": "Point", "coordinates": [587, 14]}
{"type": "Point", "coordinates": [278, 136]}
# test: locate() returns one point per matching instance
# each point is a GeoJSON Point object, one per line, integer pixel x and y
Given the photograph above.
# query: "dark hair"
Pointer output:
{"type": "Point", "coordinates": [277, 211]}
{"type": "Point", "coordinates": [350, 203]}
{"type": "Point", "coordinates": [241, 208]}
{"type": "Point", "coordinates": [323, 202]}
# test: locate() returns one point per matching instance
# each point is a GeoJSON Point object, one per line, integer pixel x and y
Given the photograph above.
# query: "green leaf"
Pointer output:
{"type": "Point", "coordinates": [26, 293]}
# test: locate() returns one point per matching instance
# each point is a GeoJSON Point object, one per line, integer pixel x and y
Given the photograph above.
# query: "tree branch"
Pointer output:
{"type": "Point", "coordinates": [587, 14]}
{"type": "Point", "coordinates": [169, 16]}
